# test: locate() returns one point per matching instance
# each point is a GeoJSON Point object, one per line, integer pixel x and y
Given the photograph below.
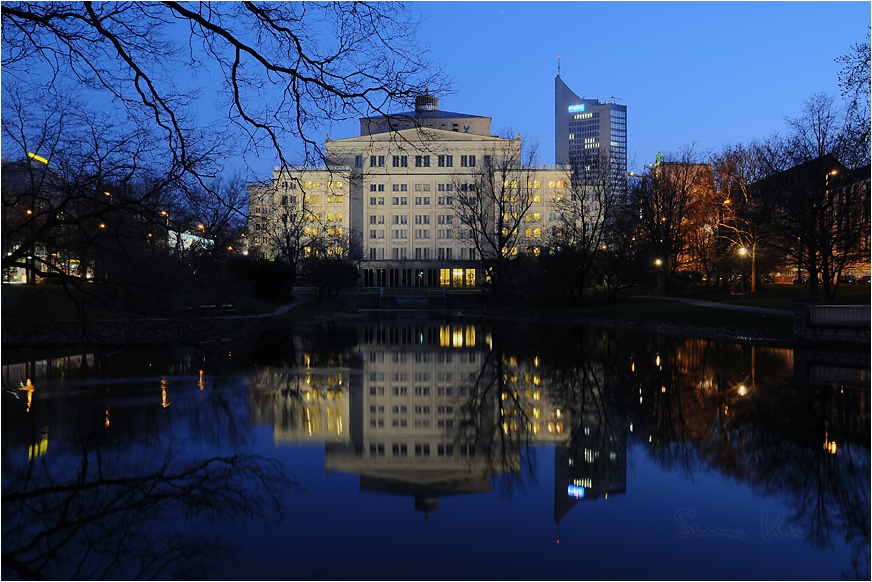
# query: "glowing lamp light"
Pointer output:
{"type": "Point", "coordinates": [742, 390]}
{"type": "Point", "coordinates": [575, 491]}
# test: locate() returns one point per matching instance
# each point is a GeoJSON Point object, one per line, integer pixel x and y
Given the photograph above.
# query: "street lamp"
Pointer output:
{"type": "Point", "coordinates": [742, 252]}
{"type": "Point", "coordinates": [658, 262]}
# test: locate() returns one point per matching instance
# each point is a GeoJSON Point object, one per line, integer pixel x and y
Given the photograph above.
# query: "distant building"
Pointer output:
{"type": "Point", "coordinates": [587, 130]}
{"type": "Point", "coordinates": [394, 189]}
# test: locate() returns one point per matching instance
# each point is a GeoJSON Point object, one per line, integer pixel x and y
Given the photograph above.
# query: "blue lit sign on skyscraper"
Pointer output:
{"type": "Point", "coordinates": [575, 491]}
{"type": "Point", "coordinates": [576, 108]}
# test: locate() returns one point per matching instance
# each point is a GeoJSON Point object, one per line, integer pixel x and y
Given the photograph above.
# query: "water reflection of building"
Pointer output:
{"type": "Point", "coordinates": [416, 381]}
{"type": "Point", "coordinates": [47, 370]}
{"type": "Point", "coordinates": [539, 404]}
{"type": "Point", "coordinates": [302, 406]}
{"type": "Point", "coordinates": [428, 414]}
{"type": "Point", "coordinates": [592, 465]}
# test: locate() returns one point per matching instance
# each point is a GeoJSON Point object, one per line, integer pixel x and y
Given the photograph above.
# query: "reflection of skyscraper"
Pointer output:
{"type": "Point", "coordinates": [592, 464]}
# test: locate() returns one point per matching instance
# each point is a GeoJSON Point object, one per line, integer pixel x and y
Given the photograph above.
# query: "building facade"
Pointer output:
{"type": "Point", "coordinates": [587, 131]}
{"type": "Point", "coordinates": [393, 193]}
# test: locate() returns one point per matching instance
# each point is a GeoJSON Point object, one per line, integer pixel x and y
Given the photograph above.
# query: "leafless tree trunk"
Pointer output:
{"type": "Point", "coordinates": [587, 215]}
{"type": "Point", "coordinates": [667, 201]}
{"type": "Point", "coordinates": [494, 208]}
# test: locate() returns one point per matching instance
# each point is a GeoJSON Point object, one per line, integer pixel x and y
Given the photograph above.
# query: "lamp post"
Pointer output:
{"type": "Point", "coordinates": [742, 252]}
{"type": "Point", "coordinates": [658, 262]}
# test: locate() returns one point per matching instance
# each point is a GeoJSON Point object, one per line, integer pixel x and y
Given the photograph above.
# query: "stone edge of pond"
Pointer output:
{"type": "Point", "coordinates": [46, 338]}
{"type": "Point", "coordinates": [643, 326]}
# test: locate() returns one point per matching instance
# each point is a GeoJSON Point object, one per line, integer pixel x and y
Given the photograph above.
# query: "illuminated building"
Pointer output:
{"type": "Point", "coordinates": [395, 188]}
{"type": "Point", "coordinates": [586, 129]}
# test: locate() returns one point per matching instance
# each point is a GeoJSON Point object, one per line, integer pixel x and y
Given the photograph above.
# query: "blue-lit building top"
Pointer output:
{"type": "Point", "coordinates": [586, 128]}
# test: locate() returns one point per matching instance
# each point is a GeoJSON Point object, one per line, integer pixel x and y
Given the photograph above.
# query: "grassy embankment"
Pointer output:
{"type": "Point", "coordinates": [47, 316]}
{"type": "Point", "coordinates": [46, 312]}
{"type": "Point", "coordinates": [649, 312]}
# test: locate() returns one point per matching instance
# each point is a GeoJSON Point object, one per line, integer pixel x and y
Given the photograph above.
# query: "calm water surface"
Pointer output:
{"type": "Point", "coordinates": [439, 450]}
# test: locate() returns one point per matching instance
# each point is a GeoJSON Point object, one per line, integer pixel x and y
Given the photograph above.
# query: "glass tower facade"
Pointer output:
{"type": "Point", "coordinates": [587, 131]}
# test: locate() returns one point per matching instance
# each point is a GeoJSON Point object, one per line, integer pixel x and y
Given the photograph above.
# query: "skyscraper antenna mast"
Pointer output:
{"type": "Point", "coordinates": [558, 65]}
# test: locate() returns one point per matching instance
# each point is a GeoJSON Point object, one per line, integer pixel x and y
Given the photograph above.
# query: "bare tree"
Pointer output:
{"type": "Point", "coordinates": [854, 81]}
{"type": "Point", "coordinates": [822, 206]}
{"type": "Point", "coordinates": [667, 200]}
{"type": "Point", "coordinates": [219, 212]}
{"type": "Point", "coordinates": [498, 194]}
{"type": "Point", "coordinates": [586, 215]}
{"type": "Point", "coordinates": [744, 214]}
{"type": "Point", "coordinates": [288, 69]}
{"type": "Point", "coordinates": [101, 190]}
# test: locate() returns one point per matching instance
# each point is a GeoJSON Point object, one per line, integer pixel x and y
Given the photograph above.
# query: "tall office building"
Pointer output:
{"type": "Point", "coordinates": [585, 129]}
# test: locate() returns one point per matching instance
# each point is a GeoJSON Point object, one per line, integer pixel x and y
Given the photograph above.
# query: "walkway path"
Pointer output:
{"type": "Point", "coordinates": [701, 303]}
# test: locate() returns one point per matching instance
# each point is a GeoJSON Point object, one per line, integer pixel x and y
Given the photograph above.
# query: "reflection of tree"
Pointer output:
{"type": "Point", "coordinates": [496, 425]}
{"type": "Point", "coordinates": [107, 516]}
{"type": "Point", "coordinates": [784, 453]}
{"type": "Point", "coordinates": [596, 452]}
{"type": "Point", "coordinates": [707, 407]}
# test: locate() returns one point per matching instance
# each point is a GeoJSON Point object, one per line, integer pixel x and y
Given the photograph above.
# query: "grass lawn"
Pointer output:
{"type": "Point", "coordinates": [41, 303]}
{"type": "Point", "coordinates": [28, 307]}
{"type": "Point", "coordinates": [673, 313]}
{"type": "Point", "coordinates": [781, 296]}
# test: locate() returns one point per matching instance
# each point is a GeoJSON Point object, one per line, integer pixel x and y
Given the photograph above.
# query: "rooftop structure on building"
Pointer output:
{"type": "Point", "coordinates": [396, 187]}
{"type": "Point", "coordinates": [587, 132]}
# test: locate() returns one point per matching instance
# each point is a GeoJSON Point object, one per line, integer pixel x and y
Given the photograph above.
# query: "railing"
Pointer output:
{"type": "Point", "coordinates": [406, 291]}
{"type": "Point", "coordinates": [840, 315]}
{"type": "Point", "coordinates": [838, 376]}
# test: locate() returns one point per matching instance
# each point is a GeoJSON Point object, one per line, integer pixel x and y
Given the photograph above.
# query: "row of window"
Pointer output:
{"type": "Point", "coordinates": [312, 198]}
{"type": "Point", "coordinates": [419, 200]}
{"type": "Point", "coordinates": [422, 449]}
{"type": "Point", "coordinates": [422, 188]}
{"type": "Point", "coordinates": [421, 409]}
{"type": "Point", "coordinates": [422, 161]}
{"type": "Point", "coordinates": [420, 234]}
{"type": "Point", "coordinates": [423, 254]}
{"type": "Point", "coordinates": [312, 185]}
{"type": "Point", "coordinates": [419, 377]}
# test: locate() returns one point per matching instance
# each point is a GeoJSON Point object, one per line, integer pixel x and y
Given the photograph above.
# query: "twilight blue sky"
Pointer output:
{"type": "Point", "coordinates": [713, 73]}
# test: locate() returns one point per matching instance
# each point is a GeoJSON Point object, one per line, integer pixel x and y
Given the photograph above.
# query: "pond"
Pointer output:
{"type": "Point", "coordinates": [439, 449]}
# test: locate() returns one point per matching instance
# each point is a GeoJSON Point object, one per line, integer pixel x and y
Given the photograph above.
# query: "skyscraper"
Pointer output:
{"type": "Point", "coordinates": [585, 129]}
